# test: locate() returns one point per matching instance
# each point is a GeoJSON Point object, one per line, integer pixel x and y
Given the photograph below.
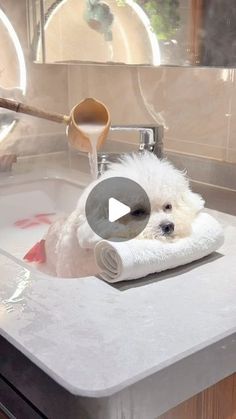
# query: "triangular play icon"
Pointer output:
{"type": "Point", "coordinates": [116, 209]}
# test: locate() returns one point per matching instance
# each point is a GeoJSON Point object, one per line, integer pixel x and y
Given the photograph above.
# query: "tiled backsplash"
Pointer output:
{"type": "Point", "coordinates": [197, 106]}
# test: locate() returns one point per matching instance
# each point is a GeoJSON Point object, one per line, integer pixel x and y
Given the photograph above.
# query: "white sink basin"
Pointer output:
{"type": "Point", "coordinates": [27, 208]}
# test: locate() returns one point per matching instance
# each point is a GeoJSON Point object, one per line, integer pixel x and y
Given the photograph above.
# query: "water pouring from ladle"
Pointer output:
{"type": "Point", "coordinates": [86, 118]}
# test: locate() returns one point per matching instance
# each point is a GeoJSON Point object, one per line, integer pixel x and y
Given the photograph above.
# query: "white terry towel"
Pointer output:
{"type": "Point", "coordinates": [121, 261]}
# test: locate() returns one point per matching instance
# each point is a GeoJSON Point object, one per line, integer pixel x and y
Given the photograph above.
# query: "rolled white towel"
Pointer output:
{"type": "Point", "coordinates": [121, 261]}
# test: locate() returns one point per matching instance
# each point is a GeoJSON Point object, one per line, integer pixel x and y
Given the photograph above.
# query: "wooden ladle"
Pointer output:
{"type": "Point", "coordinates": [89, 111]}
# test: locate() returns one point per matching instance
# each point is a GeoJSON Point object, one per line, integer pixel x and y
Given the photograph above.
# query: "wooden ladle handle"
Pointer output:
{"type": "Point", "coordinates": [20, 107]}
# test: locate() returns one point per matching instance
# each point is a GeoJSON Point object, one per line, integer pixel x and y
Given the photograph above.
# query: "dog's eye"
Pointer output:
{"type": "Point", "coordinates": [167, 207]}
{"type": "Point", "coordinates": [138, 212]}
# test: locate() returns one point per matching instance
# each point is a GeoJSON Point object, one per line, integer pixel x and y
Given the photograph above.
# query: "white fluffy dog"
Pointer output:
{"type": "Point", "coordinates": [70, 241]}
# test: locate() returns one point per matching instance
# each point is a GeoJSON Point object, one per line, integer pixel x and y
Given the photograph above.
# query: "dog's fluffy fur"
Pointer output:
{"type": "Point", "coordinates": [70, 241]}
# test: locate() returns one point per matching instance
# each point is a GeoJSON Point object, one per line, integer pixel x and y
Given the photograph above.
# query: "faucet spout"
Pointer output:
{"type": "Point", "coordinates": [150, 136]}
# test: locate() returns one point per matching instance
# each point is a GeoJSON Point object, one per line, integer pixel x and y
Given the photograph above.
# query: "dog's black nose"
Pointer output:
{"type": "Point", "coordinates": [167, 228]}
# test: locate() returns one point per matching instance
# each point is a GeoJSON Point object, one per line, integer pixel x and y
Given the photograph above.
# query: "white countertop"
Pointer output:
{"type": "Point", "coordinates": [96, 339]}
{"type": "Point", "coordinates": [147, 344]}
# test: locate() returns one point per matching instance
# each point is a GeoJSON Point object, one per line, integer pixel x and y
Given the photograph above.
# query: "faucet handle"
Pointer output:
{"type": "Point", "coordinates": [150, 136]}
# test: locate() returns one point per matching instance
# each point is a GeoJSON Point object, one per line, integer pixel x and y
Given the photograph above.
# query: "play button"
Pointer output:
{"type": "Point", "coordinates": [117, 209]}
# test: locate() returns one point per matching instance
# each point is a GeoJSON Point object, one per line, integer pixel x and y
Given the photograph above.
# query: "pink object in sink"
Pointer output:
{"type": "Point", "coordinates": [36, 253]}
{"type": "Point", "coordinates": [37, 219]}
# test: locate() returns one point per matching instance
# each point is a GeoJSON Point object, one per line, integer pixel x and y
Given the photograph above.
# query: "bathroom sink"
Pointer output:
{"type": "Point", "coordinates": [27, 207]}
{"type": "Point", "coordinates": [128, 341]}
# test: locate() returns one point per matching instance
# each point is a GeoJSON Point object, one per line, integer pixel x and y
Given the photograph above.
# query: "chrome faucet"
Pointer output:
{"type": "Point", "coordinates": [150, 138]}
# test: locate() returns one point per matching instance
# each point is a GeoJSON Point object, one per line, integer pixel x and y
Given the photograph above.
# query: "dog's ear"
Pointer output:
{"type": "Point", "coordinates": [193, 200]}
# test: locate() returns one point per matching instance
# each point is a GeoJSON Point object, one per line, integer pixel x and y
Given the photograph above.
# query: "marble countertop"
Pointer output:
{"type": "Point", "coordinates": [96, 340]}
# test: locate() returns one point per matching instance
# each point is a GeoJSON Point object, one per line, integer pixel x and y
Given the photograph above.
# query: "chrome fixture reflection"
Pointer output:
{"type": "Point", "coordinates": [99, 17]}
